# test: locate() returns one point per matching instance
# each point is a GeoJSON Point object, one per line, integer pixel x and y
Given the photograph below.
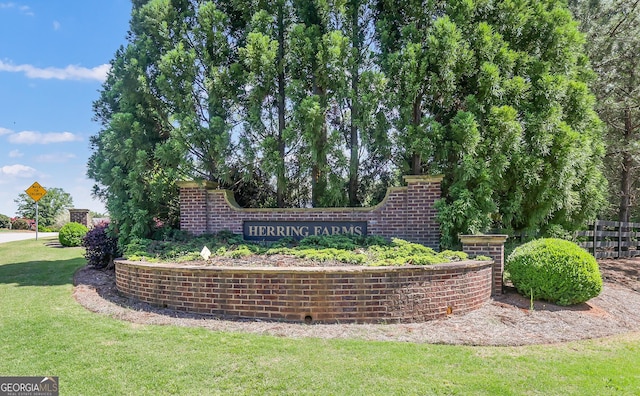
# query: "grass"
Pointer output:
{"type": "Point", "coordinates": [43, 331]}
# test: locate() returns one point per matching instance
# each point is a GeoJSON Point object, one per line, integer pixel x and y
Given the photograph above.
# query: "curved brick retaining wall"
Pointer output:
{"type": "Point", "coordinates": [311, 294]}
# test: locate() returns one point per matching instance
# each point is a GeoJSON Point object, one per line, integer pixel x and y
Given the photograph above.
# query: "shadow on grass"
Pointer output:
{"type": "Point", "coordinates": [41, 273]}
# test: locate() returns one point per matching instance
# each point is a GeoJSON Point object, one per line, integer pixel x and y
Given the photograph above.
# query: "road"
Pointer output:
{"type": "Point", "coordinates": [20, 236]}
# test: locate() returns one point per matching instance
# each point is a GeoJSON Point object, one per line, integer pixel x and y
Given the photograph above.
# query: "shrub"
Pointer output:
{"type": "Point", "coordinates": [343, 242]}
{"type": "Point", "coordinates": [450, 255]}
{"type": "Point", "coordinates": [350, 249]}
{"type": "Point", "coordinates": [71, 234]}
{"type": "Point", "coordinates": [5, 221]}
{"type": "Point", "coordinates": [137, 247]}
{"type": "Point", "coordinates": [239, 252]}
{"type": "Point", "coordinates": [557, 231]}
{"type": "Point", "coordinates": [554, 270]}
{"type": "Point", "coordinates": [483, 258]}
{"type": "Point", "coordinates": [101, 248]}
{"type": "Point", "coordinates": [20, 224]}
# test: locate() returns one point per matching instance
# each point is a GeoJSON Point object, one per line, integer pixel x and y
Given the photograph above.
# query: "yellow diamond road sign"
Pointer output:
{"type": "Point", "coordinates": [36, 191]}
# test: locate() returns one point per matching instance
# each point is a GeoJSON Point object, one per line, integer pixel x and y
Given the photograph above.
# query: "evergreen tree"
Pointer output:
{"type": "Point", "coordinates": [268, 141]}
{"type": "Point", "coordinates": [165, 112]}
{"type": "Point", "coordinates": [612, 28]}
{"type": "Point", "coordinates": [294, 103]}
{"type": "Point", "coordinates": [361, 115]}
{"type": "Point", "coordinates": [494, 95]}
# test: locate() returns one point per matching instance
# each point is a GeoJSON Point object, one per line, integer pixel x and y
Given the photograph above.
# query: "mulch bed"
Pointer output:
{"type": "Point", "coordinates": [505, 320]}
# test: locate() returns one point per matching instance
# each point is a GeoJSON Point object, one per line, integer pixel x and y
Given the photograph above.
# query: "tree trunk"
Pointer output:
{"type": "Point", "coordinates": [355, 111]}
{"type": "Point", "coordinates": [626, 172]}
{"type": "Point", "coordinates": [416, 158]}
{"type": "Point", "coordinates": [318, 170]}
{"type": "Point", "coordinates": [281, 180]}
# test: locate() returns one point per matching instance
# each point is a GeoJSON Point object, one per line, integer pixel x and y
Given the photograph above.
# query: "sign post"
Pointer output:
{"type": "Point", "coordinates": [36, 191]}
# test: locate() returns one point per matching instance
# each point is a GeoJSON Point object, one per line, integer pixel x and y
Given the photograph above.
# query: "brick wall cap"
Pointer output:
{"type": "Point", "coordinates": [410, 179]}
{"type": "Point", "coordinates": [468, 264]}
{"type": "Point", "coordinates": [492, 239]}
{"type": "Point", "coordinates": [231, 202]}
{"type": "Point", "coordinates": [197, 184]}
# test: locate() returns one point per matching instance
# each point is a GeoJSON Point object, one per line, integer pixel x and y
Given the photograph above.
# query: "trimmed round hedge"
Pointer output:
{"type": "Point", "coordinates": [71, 234]}
{"type": "Point", "coordinates": [554, 270]}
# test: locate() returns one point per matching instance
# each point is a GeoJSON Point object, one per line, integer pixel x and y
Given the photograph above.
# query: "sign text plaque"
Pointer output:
{"type": "Point", "coordinates": [275, 230]}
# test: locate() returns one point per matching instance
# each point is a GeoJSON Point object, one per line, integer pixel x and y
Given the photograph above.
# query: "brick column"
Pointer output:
{"type": "Point", "coordinates": [491, 246]}
{"type": "Point", "coordinates": [79, 216]}
{"type": "Point", "coordinates": [422, 222]}
{"type": "Point", "coordinates": [193, 206]}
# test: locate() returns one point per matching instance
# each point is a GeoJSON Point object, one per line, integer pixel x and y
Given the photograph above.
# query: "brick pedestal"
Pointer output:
{"type": "Point", "coordinates": [491, 246]}
{"type": "Point", "coordinates": [79, 216]}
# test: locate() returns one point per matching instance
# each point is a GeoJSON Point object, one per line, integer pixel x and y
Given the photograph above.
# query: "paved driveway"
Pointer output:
{"type": "Point", "coordinates": [20, 236]}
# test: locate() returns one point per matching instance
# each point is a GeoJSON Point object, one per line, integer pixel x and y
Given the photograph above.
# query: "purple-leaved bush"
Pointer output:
{"type": "Point", "coordinates": [101, 248]}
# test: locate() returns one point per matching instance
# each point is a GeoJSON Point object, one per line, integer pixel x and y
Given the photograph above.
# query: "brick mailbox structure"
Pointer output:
{"type": "Point", "coordinates": [405, 212]}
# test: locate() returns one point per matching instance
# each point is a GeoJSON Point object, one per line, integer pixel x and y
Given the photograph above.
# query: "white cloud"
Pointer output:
{"type": "Point", "coordinates": [22, 8]}
{"type": "Point", "coordinates": [16, 154]}
{"type": "Point", "coordinates": [55, 157]}
{"type": "Point", "coordinates": [71, 72]}
{"type": "Point", "coordinates": [56, 25]}
{"type": "Point", "coordinates": [18, 170]}
{"type": "Point", "coordinates": [30, 137]}
{"type": "Point", "coordinates": [5, 131]}
{"type": "Point", "coordinates": [26, 10]}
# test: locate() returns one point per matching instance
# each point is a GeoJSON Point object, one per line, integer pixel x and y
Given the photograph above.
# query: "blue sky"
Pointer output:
{"type": "Point", "coordinates": [54, 56]}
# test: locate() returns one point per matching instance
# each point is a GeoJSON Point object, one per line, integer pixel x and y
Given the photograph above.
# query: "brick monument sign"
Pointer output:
{"type": "Point", "coordinates": [405, 212]}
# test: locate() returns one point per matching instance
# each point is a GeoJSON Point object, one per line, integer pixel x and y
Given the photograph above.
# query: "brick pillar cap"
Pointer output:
{"type": "Point", "coordinates": [411, 179]}
{"type": "Point", "coordinates": [197, 184]}
{"type": "Point", "coordinates": [79, 210]}
{"type": "Point", "coordinates": [492, 239]}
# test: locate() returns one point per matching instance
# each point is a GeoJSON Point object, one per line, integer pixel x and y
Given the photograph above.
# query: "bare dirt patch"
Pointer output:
{"type": "Point", "coordinates": [505, 320]}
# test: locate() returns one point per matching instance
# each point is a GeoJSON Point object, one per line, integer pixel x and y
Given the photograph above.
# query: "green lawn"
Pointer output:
{"type": "Point", "coordinates": [43, 331]}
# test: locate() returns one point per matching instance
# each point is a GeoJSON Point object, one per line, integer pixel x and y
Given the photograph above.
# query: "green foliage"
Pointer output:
{"type": "Point", "coordinates": [5, 221]}
{"type": "Point", "coordinates": [348, 249]}
{"type": "Point", "coordinates": [559, 232]}
{"type": "Point", "coordinates": [71, 234]}
{"type": "Point", "coordinates": [239, 252]}
{"type": "Point", "coordinates": [401, 252]}
{"type": "Point", "coordinates": [612, 28]}
{"type": "Point", "coordinates": [329, 104]}
{"type": "Point", "coordinates": [322, 254]}
{"type": "Point", "coordinates": [54, 203]}
{"type": "Point", "coordinates": [496, 99]}
{"type": "Point", "coordinates": [554, 270]}
{"type": "Point", "coordinates": [334, 241]}
{"type": "Point", "coordinates": [179, 246]}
